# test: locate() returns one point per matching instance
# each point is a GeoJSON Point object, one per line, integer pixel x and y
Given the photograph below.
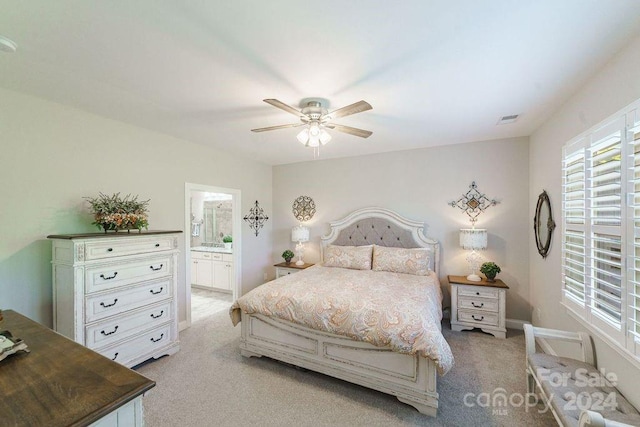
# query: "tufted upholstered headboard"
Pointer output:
{"type": "Point", "coordinates": [381, 227]}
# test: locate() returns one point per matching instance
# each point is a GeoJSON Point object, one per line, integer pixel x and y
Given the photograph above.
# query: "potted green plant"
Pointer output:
{"type": "Point", "coordinates": [227, 240]}
{"type": "Point", "coordinates": [119, 213]}
{"type": "Point", "coordinates": [288, 256]}
{"type": "Point", "coordinates": [490, 269]}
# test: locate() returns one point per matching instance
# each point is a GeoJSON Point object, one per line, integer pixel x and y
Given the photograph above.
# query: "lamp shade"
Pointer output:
{"type": "Point", "coordinates": [300, 234]}
{"type": "Point", "coordinates": [473, 238]}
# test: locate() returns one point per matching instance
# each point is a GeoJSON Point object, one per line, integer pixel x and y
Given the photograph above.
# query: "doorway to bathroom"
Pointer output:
{"type": "Point", "coordinates": [212, 250]}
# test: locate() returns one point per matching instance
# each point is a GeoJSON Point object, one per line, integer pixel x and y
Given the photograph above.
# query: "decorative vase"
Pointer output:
{"type": "Point", "coordinates": [491, 278]}
{"type": "Point", "coordinates": [228, 245]}
{"type": "Point", "coordinates": [287, 261]}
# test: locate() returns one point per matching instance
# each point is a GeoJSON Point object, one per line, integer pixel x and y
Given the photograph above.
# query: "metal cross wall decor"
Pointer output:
{"type": "Point", "coordinates": [256, 218]}
{"type": "Point", "coordinates": [473, 203]}
{"type": "Point", "coordinates": [304, 208]}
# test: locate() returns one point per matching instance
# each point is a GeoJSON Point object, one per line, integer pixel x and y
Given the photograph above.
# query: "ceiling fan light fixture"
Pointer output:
{"type": "Point", "coordinates": [303, 136]}
{"type": "Point", "coordinates": [324, 137]}
{"type": "Point", "coordinates": [314, 130]}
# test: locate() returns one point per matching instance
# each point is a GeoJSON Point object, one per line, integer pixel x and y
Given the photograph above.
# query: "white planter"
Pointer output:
{"type": "Point", "coordinates": [228, 245]}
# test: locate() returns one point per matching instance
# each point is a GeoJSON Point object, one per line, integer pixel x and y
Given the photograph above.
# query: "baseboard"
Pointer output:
{"type": "Point", "coordinates": [182, 326]}
{"type": "Point", "coordinates": [515, 324]}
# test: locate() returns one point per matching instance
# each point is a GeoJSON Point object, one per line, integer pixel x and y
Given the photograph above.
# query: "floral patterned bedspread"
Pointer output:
{"type": "Point", "coordinates": [395, 310]}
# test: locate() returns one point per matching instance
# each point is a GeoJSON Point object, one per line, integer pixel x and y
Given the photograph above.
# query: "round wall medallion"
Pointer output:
{"type": "Point", "coordinates": [304, 208]}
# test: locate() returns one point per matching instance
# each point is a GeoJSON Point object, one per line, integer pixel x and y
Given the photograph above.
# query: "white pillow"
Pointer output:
{"type": "Point", "coordinates": [354, 257]}
{"type": "Point", "coordinates": [400, 260]}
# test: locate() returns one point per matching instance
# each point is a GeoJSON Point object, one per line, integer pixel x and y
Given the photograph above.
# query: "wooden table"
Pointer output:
{"type": "Point", "coordinates": [62, 383]}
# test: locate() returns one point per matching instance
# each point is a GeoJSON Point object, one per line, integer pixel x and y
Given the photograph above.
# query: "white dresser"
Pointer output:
{"type": "Point", "coordinates": [116, 293]}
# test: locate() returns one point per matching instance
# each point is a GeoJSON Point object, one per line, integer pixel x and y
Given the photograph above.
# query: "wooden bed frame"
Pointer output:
{"type": "Point", "coordinates": [410, 378]}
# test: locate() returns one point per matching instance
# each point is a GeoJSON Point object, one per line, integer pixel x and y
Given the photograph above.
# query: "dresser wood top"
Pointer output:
{"type": "Point", "coordinates": [60, 383]}
{"type": "Point", "coordinates": [111, 234]}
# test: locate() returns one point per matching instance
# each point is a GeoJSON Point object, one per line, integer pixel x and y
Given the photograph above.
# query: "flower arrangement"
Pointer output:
{"type": "Point", "coordinates": [490, 269]}
{"type": "Point", "coordinates": [119, 213]}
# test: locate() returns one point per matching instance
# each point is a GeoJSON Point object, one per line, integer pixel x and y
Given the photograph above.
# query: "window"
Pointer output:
{"type": "Point", "coordinates": [601, 229]}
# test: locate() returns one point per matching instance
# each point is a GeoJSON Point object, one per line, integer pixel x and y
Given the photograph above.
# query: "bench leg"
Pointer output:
{"type": "Point", "coordinates": [531, 385]}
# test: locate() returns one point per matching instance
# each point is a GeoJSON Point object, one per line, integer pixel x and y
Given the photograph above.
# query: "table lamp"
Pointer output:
{"type": "Point", "coordinates": [300, 234]}
{"type": "Point", "coordinates": [473, 239]}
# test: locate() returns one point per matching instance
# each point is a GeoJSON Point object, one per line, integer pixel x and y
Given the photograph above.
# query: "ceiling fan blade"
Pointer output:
{"type": "Point", "coordinates": [350, 130]}
{"type": "Point", "coordinates": [357, 107]}
{"type": "Point", "coordinates": [292, 125]}
{"type": "Point", "coordinates": [285, 107]}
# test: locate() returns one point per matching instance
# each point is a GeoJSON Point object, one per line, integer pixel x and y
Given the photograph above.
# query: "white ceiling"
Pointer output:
{"type": "Point", "coordinates": [436, 72]}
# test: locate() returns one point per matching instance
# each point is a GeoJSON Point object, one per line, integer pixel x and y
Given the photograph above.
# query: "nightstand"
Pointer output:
{"type": "Point", "coordinates": [283, 268]}
{"type": "Point", "coordinates": [478, 305]}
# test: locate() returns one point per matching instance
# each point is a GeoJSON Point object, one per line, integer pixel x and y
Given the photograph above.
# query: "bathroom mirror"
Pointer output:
{"type": "Point", "coordinates": [543, 224]}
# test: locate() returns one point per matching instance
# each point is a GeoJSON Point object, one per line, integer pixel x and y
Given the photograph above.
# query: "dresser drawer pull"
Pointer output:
{"type": "Point", "coordinates": [153, 316]}
{"type": "Point", "coordinates": [477, 293]}
{"type": "Point", "coordinates": [477, 306]}
{"type": "Point", "coordinates": [156, 269]}
{"type": "Point", "coordinates": [161, 336]}
{"type": "Point", "coordinates": [115, 356]}
{"type": "Point", "coordinates": [115, 300]}
{"type": "Point", "coordinates": [110, 250]}
{"type": "Point", "coordinates": [157, 245]}
{"type": "Point", "coordinates": [115, 273]}
{"type": "Point", "coordinates": [477, 320]}
{"type": "Point", "coordinates": [109, 333]}
{"type": "Point", "coordinates": [156, 293]}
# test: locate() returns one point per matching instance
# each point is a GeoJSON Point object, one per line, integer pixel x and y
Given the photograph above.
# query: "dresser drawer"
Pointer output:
{"type": "Point", "coordinates": [105, 333]}
{"type": "Point", "coordinates": [478, 317]}
{"type": "Point", "coordinates": [109, 276]}
{"type": "Point", "coordinates": [102, 305]}
{"type": "Point", "coordinates": [121, 247]}
{"type": "Point", "coordinates": [140, 345]}
{"type": "Point", "coordinates": [475, 291]}
{"type": "Point", "coordinates": [477, 303]}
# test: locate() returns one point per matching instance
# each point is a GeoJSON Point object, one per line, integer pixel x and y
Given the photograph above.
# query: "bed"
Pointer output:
{"type": "Point", "coordinates": [398, 358]}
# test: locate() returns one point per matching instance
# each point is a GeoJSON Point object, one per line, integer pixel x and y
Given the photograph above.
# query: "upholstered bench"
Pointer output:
{"type": "Point", "coordinates": [570, 387]}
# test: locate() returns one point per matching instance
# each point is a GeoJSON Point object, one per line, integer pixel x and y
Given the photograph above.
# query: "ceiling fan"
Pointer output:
{"type": "Point", "coordinates": [315, 118]}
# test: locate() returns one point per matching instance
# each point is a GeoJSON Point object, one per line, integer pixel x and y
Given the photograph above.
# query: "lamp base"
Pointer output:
{"type": "Point", "coordinates": [474, 278]}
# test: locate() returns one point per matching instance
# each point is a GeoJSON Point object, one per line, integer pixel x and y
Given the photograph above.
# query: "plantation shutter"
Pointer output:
{"type": "Point", "coordinates": [634, 225]}
{"type": "Point", "coordinates": [605, 220]}
{"type": "Point", "coordinates": [573, 214]}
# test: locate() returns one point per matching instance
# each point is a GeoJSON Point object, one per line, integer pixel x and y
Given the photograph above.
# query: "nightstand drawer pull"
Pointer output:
{"type": "Point", "coordinates": [156, 269]}
{"type": "Point", "coordinates": [115, 300]}
{"type": "Point", "coordinates": [477, 320]}
{"type": "Point", "coordinates": [110, 250]}
{"type": "Point", "coordinates": [157, 245]}
{"type": "Point", "coordinates": [153, 316]}
{"type": "Point", "coordinates": [109, 333]}
{"type": "Point", "coordinates": [115, 273]}
{"type": "Point", "coordinates": [476, 305]}
{"type": "Point", "coordinates": [161, 336]}
{"type": "Point", "coordinates": [156, 293]}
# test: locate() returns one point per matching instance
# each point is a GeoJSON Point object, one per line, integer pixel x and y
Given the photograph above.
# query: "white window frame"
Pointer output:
{"type": "Point", "coordinates": [618, 335]}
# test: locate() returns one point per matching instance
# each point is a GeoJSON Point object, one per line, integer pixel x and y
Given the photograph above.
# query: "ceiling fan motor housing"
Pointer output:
{"type": "Point", "coordinates": [313, 110]}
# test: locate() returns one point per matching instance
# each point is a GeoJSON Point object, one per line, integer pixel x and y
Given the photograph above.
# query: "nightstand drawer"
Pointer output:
{"type": "Point", "coordinates": [476, 303]}
{"type": "Point", "coordinates": [476, 291]}
{"type": "Point", "coordinates": [479, 318]}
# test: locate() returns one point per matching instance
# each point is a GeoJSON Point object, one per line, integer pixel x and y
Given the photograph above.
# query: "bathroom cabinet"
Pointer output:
{"type": "Point", "coordinates": [212, 270]}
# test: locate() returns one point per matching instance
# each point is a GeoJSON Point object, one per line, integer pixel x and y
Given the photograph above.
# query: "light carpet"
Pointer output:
{"type": "Point", "coordinates": [208, 383]}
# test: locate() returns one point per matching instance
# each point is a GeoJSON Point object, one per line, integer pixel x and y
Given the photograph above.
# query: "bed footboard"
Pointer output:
{"type": "Point", "coordinates": [410, 378]}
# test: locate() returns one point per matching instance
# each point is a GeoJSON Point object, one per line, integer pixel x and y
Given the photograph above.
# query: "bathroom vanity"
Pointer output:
{"type": "Point", "coordinates": [212, 268]}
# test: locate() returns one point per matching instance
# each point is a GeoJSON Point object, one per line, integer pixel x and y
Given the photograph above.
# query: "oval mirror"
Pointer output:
{"type": "Point", "coordinates": [543, 224]}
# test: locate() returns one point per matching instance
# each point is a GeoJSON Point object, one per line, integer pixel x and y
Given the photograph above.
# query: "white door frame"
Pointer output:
{"type": "Point", "coordinates": [236, 204]}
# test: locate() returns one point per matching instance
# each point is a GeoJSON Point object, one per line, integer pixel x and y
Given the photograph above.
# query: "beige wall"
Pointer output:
{"type": "Point", "coordinates": [418, 184]}
{"type": "Point", "coordinates": [614, 87]}
{"type": "Point", "coordinates": [52, 156]}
